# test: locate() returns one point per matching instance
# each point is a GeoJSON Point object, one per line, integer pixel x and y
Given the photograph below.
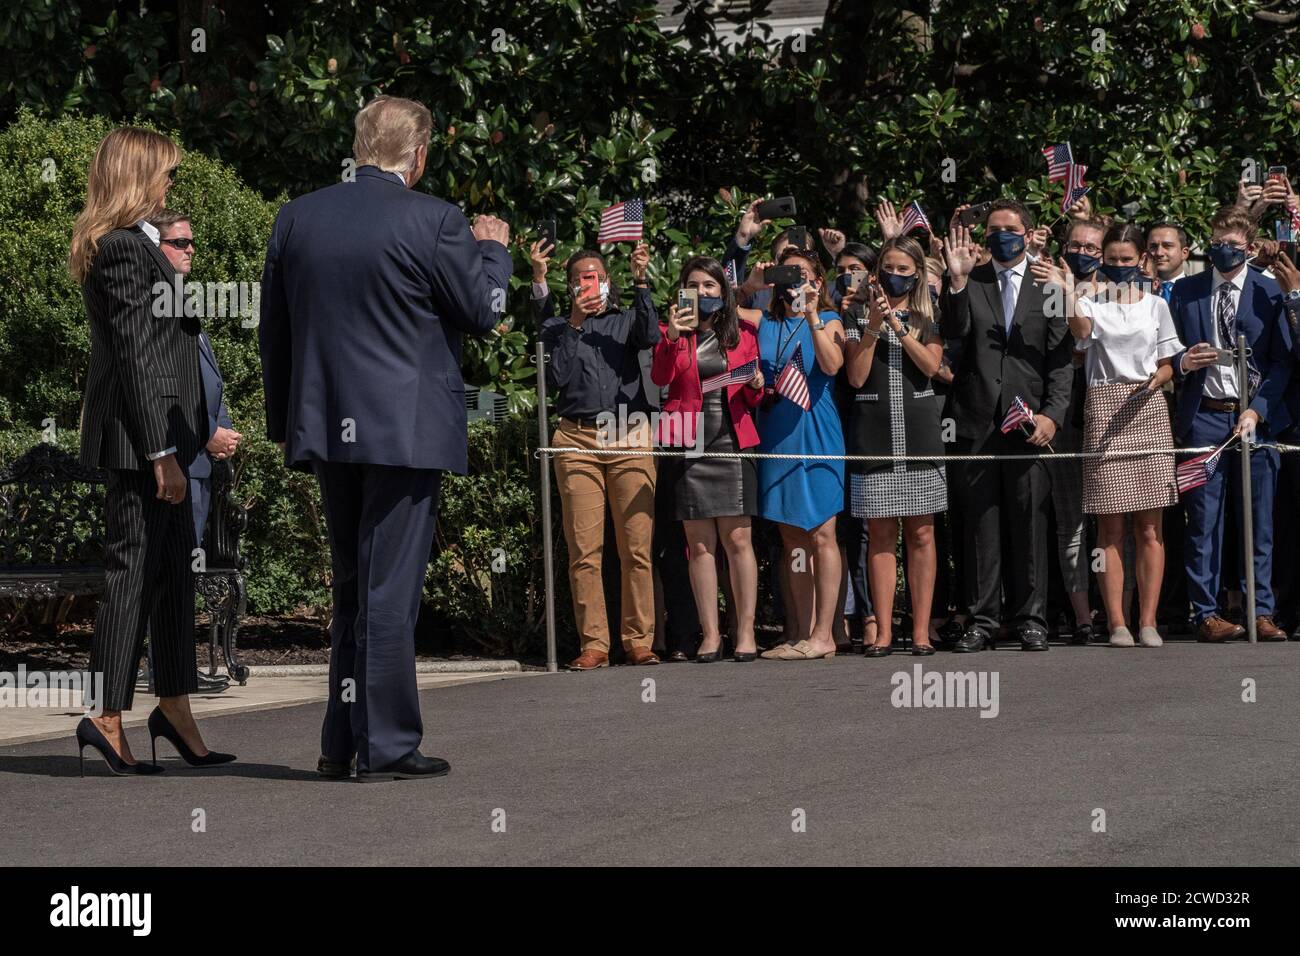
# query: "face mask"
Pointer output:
{"type": "Point", "coordinates": [1226, 257]}
{"type": "Point", "coordinates": [895, 285]}
{"type": "Point", "coordinates": [709, 304]}
{"type": "Point", "coordinates": [1005, 246]}
{"type": "Point", "coordinates": [1080, 264]}
{"type": "Point", "coordinates": [1121, 275]}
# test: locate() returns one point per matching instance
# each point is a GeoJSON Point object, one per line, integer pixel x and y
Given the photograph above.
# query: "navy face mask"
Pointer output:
{"type": "Point", "coordinates": [1226, 257]}
{"type": "Point", "coordinates": [1080, 264]}
{"type": "Point", "coordinates": [709, 305]}
{"type": "Point", "coordinates": [1120, 275]}
{"type": "Point", "coordinates": [1005, 246]}
{"type": "Point", "coordinates": [896, 285]}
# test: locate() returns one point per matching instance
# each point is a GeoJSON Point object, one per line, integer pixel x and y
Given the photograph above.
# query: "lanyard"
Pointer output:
{"type": "Point", "coordinates": [783, 343]}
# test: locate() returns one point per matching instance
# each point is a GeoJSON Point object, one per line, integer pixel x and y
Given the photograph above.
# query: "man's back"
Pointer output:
{"type": "Point", "coordinates": [367, 289]}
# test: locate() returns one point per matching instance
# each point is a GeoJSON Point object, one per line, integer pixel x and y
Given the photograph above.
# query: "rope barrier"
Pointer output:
{"type": "Point", "coordinates": [683, 453]}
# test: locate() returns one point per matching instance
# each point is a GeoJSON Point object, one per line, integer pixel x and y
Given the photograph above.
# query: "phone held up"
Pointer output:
{"type": "Point", "coordinates": [690, 299]}
{"type": "Point", "coordinates": [588, 284]}
{"type": "Point", "coordinates": [546, 233]}
{"type": "Point", "coordinates": [782, 208]}
{"type": "Point", "coordinates": [972, 216]}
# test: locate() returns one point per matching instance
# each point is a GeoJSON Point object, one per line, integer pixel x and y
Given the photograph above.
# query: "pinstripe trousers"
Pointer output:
{"type": "Point", "coordinates": [149, 581]}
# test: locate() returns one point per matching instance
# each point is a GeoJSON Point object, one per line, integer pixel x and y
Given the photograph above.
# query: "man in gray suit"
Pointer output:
{"type": "Point", "coordinates": [176, 240]}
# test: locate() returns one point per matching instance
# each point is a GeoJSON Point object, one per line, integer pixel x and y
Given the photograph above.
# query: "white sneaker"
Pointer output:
{"type": "Point", "coordinates": [1149, 637]}
{"type": "Point", "coordinates": [1121, 637]}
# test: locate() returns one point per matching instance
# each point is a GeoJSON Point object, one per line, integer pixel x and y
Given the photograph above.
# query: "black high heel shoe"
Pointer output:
{"type": "Point", "coordinates": [160, 726]}
{"type": "Point", "coordinates": [88, 735]}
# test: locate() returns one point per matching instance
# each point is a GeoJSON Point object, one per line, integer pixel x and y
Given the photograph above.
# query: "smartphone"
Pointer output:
{"type": "Point", "coordinates": [690, 299]}
{"type": "Point", "coordinates": [782, 208]}
{"type": "Point", "coordinates": [855, 279]}
{"type": "Point", "coordinates": [972, 216]}
{"type": "Point", "coordinates": [588, 284]}
{"type": "Point", "coordinates": [782, 275]}
{"type": "Point", "coordinates": [797, 236]}
{"type": "Point", "coordinates": [546, 232]}
{"type": "Point", "coordinates": [1226, 357]}
{"type": "Point", "coordinates": [1277, 174]}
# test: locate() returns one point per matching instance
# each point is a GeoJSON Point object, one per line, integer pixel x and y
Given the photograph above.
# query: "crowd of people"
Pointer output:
{"type": "Point", "coordinates": [1063, 371]}
{"type": "Point", "coordinates": [897, 356]}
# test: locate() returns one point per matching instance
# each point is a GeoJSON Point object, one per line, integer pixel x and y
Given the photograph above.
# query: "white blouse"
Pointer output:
{"type": "Point", "coordinates": [1128, 339]}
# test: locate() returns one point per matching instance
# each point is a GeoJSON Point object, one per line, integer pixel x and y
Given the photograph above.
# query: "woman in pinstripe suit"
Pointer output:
{"type": "Point", "coordinates": [143, 420]}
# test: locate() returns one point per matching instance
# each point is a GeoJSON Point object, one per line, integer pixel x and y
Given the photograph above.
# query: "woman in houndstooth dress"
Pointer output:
{"type": "Point", "coordinates": [891, 361]}
{"type": "Point", "coordinates": [1129, 341]}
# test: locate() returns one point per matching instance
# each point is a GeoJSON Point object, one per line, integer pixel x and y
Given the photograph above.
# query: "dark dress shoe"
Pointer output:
{"type": "Point", "coordinates": [878, 650]}
{"type": "Point", "coordinates": [744, 657]}
{"type": "Point", "coordinates": [677, 657]}
{"type": "Point", "coordinates": [922, 650]}
{"type": "Point", "coordinates": [414, 766]}
{"type": "Point", "coordinates": [1032, 639]}
{"type": "Point", "coordinates": [1082, 634]}
{"type": "Point", "coordinates": [333, 769]}
{"type": "Point", "coordinates": [950, 633]}
{"type": "Point", "coordinates": [974, 640]}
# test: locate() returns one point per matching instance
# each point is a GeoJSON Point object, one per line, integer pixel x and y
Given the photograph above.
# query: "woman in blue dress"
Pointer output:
{"type": "Point", "coordinates": [803, 333]}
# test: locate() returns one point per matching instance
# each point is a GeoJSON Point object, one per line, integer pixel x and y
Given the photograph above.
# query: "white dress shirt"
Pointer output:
{"type": "Point", "coordinates": [1221, 380]}
{"type": "Point", "coordinates": [1017, 275]}
{"type": "Point", "coordinates": [1128, 339]}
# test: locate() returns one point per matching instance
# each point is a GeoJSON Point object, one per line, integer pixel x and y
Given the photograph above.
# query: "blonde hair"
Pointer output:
{"type": "Point", "coordinates": [920, 310]}
{"type": "Point", "coordinates": [121, 189]}
{"type": "Point", "coordinates": [389, 129]}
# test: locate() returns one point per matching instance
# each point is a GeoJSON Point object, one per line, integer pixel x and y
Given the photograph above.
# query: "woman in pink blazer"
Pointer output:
{"type": "Point", "coordinates": [713, 381]}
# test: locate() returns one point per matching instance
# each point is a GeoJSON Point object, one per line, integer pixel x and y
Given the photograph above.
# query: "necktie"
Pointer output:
{"type": "Point", "coordinates": [1166, 289]}
{"type": "Point", "coordinates": [1008, 299]}
{"type": "Point", "coordinates": [1227, 316]}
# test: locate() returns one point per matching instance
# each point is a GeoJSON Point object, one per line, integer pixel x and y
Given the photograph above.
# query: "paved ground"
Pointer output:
{"type": "Point", "coordinates": [714, 770]}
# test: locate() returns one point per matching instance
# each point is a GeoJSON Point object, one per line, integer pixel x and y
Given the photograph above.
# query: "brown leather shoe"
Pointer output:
{"type": "Point", "coordinates": [1266, 630]}
{"type": "Point", "coordinates": [1215, 630]}
{"type": "Point", "coordinates": [589, 660]}
{"type": "Point", "coordinates": [641, 655]}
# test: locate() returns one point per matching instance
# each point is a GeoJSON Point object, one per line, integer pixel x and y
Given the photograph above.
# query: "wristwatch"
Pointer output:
{"type": "Point", "coordinates": [1292, 296]}
{"type": "Point", "coordinates": [817, 324]}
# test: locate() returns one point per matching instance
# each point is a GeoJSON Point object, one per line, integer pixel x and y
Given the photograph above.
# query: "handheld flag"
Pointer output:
{"type": "Point", "coordinates": [734, 377]}
{"type": "Point", "coordinates": [792, 382]}
{"type": "Point", "coordinates": [1017, 414]}
{"type": "Point", "coordinates": [914, 216]}
{"type": "Point", "coordinates": [1195, 472]}
{"type": "Point", "coordinates": [1074, 187]}
{"type": "Point", "coordinates": [622, 222]}
{"type": "Point", "coordinates": [1059, 160]}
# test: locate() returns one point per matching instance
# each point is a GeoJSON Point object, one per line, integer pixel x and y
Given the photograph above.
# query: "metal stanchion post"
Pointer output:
{"type": "Point", "coordinates": [1247, 510]}
{"type": "Point", "coordinates": [548, 552]}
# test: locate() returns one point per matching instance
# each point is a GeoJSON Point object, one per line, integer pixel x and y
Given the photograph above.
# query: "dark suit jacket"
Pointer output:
{"type": "Point", "coordinates": [367, 289]}
{"type": "Point", "coordinates": [144, 392]}
{"type": "Point", "coordinates": [213, 393]}
{"type": "Point", "coordinates": [992, 368]}
{"type": "Point", "coordinates": [1260, 317]}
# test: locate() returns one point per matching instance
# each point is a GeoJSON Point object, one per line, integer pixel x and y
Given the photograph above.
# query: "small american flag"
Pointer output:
{"type": "Point", "coordinates": [730, 270]}
{"type": "Point", "coordinates": [737, 375]}
{"type": "Point", "coordinates": [914, 216]}
{"type": "Point", "coordinates": [1017, 414]}
{"type": "Point", "coordinates": [1074, 187]}
{"type": "Point", "coordinates": [1195, 472]}
{"type": "Point", "coordinates": [792, 383]}
{"type": "Point", "coordinates": [1059, 161]}
{"type": "Point", "coordinates": [622, 222]}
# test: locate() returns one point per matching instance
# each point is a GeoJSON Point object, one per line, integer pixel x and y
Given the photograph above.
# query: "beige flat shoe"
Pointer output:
{"type": "Point", "coordinates": [802, 652]}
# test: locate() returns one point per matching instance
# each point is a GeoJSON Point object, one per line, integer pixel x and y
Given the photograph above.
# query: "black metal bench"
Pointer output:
{"type": "Point", "coordinates": [52, 543]}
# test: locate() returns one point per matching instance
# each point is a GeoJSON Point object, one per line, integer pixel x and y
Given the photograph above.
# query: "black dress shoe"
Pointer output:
{"type": "Point", "coordinates": [878, 650]}
{"type": "Point", "coordinates": [975, 639]}
{"type": "Point", "coordinates": [414, 766]}
{"type": "Point", "coordinates": [950, 633]}
{"type": "Point", "coordinates": [1082, 634]}
{"type": "Point", "coordinates": [922, 650]}
{"type": "Point", "coordinates": [333, 769]}
{"type": "Point", "coordinates": [677, 657]}
{"type": "Point", "coordinates": [1032, 639]}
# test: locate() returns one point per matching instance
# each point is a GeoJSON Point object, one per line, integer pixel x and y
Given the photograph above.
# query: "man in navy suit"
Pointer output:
{"type": "Point", "coordinates": [1210, 310]}
{"type": "Point", "coordinates": [176, 240]}
{"type": "Point", "coordinates": [367, 290]}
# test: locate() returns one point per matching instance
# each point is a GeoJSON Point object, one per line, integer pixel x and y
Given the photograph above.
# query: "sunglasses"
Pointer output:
{"type": "Point", "coordinates": [181, 243]}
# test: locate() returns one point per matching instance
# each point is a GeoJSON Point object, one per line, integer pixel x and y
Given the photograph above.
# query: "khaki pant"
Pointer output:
{"type": "Point", "coordinates": [627, 484]}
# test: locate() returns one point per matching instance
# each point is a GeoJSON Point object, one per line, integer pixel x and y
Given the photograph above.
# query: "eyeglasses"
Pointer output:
{"type": "Point", "coordinates": [182, 243]}
{"type": "Point", "coordinates": [171, 174]}
{"type": "Point", "coordinates": [1091, 249]}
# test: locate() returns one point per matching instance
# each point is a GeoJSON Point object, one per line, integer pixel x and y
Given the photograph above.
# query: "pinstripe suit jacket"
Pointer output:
{"type": "Point", "coordinates": [144, 390]}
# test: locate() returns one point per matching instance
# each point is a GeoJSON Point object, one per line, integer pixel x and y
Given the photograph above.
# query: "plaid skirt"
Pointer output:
{"type": "Point", "coordinates": [1123, 416]}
